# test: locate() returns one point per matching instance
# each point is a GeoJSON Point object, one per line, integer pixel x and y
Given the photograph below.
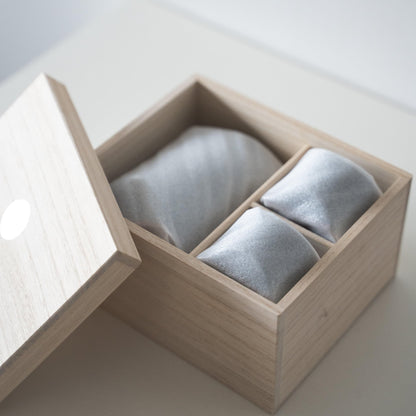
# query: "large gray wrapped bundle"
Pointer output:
{"type": "Point", "coordinates": [324, 192]}
{"type": "Point", "coordinates": [190, 186]}
{"type": "Point", "coordinates": [262, 252]}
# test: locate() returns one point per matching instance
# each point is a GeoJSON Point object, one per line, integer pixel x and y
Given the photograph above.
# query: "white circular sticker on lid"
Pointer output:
{"type": "Point", "coordinates": [14, 219]}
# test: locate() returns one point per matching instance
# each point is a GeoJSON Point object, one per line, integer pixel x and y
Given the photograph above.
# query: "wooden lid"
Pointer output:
{"type": "Point", "coordinates": [64, 245]}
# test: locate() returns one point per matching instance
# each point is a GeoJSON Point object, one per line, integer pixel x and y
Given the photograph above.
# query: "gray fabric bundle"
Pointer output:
{"type": "Point", "coordinates": [262, 252]}
{"type": "Point", "coordinates": [190, 186]}
{"type": "Point", "coordinates": [324, 192]}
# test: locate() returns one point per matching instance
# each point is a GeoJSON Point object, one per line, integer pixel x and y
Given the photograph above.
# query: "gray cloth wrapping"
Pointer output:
{"type": "Point", "coordinates": [262, 252]}
{"type": "Point", "coordinates": [190, 186]}
{"type": "Point", "coordinates": [324, 192]}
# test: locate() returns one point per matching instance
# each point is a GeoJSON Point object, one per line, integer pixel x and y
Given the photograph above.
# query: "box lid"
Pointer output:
{"type": "Point", "coordinates": [64, 245]}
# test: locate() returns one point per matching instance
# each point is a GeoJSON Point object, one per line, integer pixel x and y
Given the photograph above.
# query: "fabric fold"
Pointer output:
{"type": "Point", "coordinates": [262, 252]}
{"type": "Point", "coordinates": [191, 185]}
{"type": "Point", "coordinates": [324, 192]}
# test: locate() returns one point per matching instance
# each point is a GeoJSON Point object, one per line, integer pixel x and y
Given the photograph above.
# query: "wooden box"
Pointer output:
{"type": "Point", "coordinates": [260, 349]}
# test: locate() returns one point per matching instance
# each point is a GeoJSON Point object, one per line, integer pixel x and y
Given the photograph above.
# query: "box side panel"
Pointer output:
{"type": "Point", "coordinates": [355, 271]}
{"type": "Point", "coordinates": [222, 106]}
{"type": "Point", "coordinates": [149, 132]}
{"type": "Point", "coordinates": [218, 106]}
{"type": "Point", "coordinates": [206, 323]}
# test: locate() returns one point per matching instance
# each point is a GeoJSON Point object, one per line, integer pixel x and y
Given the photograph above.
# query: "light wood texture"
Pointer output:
{"type": "Point", "coordinates": [321, 307]}
{"type": "Point", "coordinates": [189, 104]}
{"type": "Point", "coordinates": [202, 316]}
{"type": "Point", "coordinates": [260, 349]}
{"type": "Point", "coordinates": [149, 132]}
{"type": "Point", "coordinates": [76, 248]}
{"type": "Point", "coordinates": [279, 131]}
{"type": "Point", "coordinates": [217, 107]}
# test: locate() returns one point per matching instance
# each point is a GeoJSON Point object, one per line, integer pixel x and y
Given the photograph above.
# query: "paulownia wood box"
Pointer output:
{"type": "Point", "coordinates": [258, 348]}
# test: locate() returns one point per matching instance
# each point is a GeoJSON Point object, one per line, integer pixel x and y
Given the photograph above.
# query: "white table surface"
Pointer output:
{"type": "Point", "coordinates": [368, 43]}
{"type": "Point", "coordinates": [115, 69]}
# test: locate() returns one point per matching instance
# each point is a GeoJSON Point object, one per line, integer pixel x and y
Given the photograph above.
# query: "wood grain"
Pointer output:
{"type": "Point", "coordinates": [76, 248]}
{"type": "Point", "coordinates": [279, 131]}
{"type": "Point", "coordinates": [150, 132]}
{"type": "Point", "coordinates": [260, 349]}
{"type": "Point", "coordinates": [220, 107]}
{"type": "Point", "coordinates": [322, 306]}
{"type": "Point", "coordinates": [203, 316]}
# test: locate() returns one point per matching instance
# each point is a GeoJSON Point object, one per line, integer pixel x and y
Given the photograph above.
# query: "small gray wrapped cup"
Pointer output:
{"type": "Point", "coordinates": [191, 185]}
{"type": "Point", "coordinates": [262, 252]}
{"type": "Point", "coordinates": [325, 193]}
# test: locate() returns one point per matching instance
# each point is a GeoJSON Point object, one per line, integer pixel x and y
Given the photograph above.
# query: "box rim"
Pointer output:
{"type": "Point", "coordinates": [400, 176]}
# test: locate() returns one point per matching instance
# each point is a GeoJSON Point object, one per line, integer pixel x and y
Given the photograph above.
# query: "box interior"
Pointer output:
{"type": "Point", "coordinates": [202, 102]}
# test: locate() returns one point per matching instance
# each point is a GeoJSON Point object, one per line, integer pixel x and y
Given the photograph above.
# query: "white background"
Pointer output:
{"type": "Point", "coordinates": [116, 67]}
{"type": "Point", "coordinates": [367, 43]}
{"type": "Point", "coordinates": [30, 27]}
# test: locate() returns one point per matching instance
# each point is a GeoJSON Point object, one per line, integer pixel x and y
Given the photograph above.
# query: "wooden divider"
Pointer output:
{"type": "Point", "coordinates": [320, 244]}
{"type": "Point", "coordinates": [254, 197]}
